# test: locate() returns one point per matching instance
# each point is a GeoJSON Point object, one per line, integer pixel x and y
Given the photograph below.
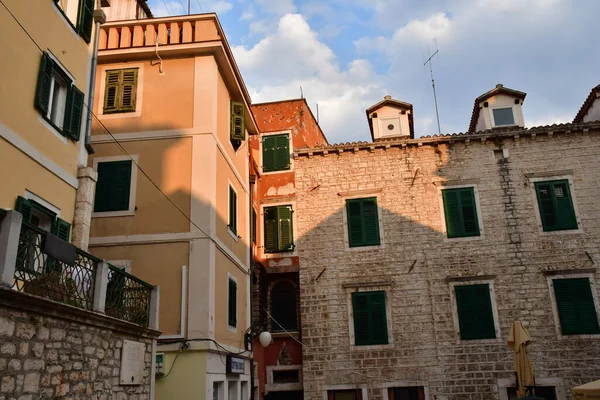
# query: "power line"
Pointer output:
{"type": "Point", "coordinates": [200, 5]}
{"type": "Point", "coordinates": [166, 8]}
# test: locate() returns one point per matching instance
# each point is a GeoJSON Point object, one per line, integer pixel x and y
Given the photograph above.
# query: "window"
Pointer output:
{"type": "Point", "coordinates": [460, 212]}
{"type": "Point", "coordinates": [363, 222]}
{"type": "Point", "coordinates": [503, 116]}
{"type": "Point", "coordinates": [276, 153]}
{"type": "Point", "coordinates": [40, 216]}
{"type": "Point", "coordinates": [58, 100]}
{"type": "Point", "coordinates": [254, 221]}
{"type": "Point", "coordinates": [475, 315]}
{"type": "Point", "coordinates": [352, 394]}
{"type": "Point", "coordinates": [284, 307]}
{"type": "Point", "coordinates": [120, 90]}
{"type": "Point", "coordinates": [232, 211]}
{"type": "Point", "coordinates": [406, 393]}
{"type": "Point", "coordinates": [85, 19]}
{"type": "Point", "coordinates": [370, 318]}
{"type": "Point", "coordinates": [286, 376]}
{"type": "Point", "coordinates": [238, 128]}
{"type": "Point", "coordinates": [232, 392]}
{"type": "Point", "coordinates": [232, 304]}
{"type": "Point", "coordinates": [555, 205]}
{"type": "Point", "coordinates": [575, 305]}
{"type": "Point", "coordinates": [279, 231]}
{"type": "Point", "coordinates": [545, 392]}
{"type": "Point", "coordinates": [113, 188]}
{"type": "Point", "coordinates": [218, 391]}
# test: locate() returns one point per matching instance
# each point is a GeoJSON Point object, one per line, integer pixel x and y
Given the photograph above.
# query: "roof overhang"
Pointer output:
{"type": "Point", "coordinates": [587, 104]}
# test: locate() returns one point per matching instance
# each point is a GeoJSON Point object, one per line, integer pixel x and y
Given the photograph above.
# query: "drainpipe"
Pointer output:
{"type": "Point", "coordinates": [252, 183]}
{"type": "Point", "coordinates": [99, 19]}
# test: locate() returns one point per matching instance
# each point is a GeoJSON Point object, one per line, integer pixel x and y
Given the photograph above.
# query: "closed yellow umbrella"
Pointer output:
{"type": "Point", "coordinates": [589, 391]}
{"type": "Point", "coordinates": [518, 341]}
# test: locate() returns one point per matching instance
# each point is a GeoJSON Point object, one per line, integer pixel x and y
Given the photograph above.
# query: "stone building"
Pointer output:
{"type": "Point", "coordinates": [416, 255]}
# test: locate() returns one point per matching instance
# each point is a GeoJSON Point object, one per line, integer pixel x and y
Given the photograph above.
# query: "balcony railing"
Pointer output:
{"type": "Point", "coordinates": [127, 297]}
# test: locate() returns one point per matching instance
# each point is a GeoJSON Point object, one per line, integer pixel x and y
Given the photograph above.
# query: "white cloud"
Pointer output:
{"type": "Point", "coordinates": [220, 7]}
{"type": "Point", "coordinates": [165, 8]}
{"type": "Point", "coordinates": [279, 7]}
{"type": "Point", "coordinates": [436, 26]}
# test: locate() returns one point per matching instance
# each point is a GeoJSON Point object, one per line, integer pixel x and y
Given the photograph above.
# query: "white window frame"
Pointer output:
{"type": "Point", "coordinates": [291, 148]}
{"type": "Point", "coordinates": [138, 94]}
{"type": "Point", "coordinates": [549, 177]}
{"type": "Point", "coordinates": [235, 236]}
{"type": "Point", "coordinates": [443, 186]}
{"type": "Point", "coordinates": [388, 315]}
{"type": "Point", "coordinates": [497, 107]}
{"type": "Point", "coordinates": [222, 393]}
{"type": "Point", "coordinates": [260, 239]}
{"type": "Point", "coordinates": [28, 195]}
{"type": "Point", "coordinates": [62, 100]}
{"type": "Point", "coordinates": [271, 386]}
{"type": "Point", "coordinates": [236, 384]}
{"type": "Point", "coordinates": [470, 282]}
{"type": "Point", "coordinates": [362, 194]}
{"type": "Point", "coordinates": [383, 125]}
{"type": "Point", "coordinates": [132, 187]}
{"type": "Point", "coordinates": [229, 327]}
{"type": "Point", "coordinates": [400, 384]}
{"type": "Point", "coordinates": [573, 275]}
{"type": "Point", "coordinates": [558, 384]}
{"type": "Point", "coordinates": [361, 387]}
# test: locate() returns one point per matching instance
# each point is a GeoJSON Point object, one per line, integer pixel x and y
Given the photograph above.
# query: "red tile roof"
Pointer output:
{"type": "Point", "coordinates": [587, 104]}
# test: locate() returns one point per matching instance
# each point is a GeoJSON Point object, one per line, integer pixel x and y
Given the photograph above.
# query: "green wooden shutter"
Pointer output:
{"type": "Point", "coordinates": [271, 236]}
{"type": "Point", "coordinates": [42, 95]}
{"type": "Point", "coordinates": [546, 206]}
{"type": "Point", "coordinates": [111, 91]}
{"type": "Point", "coordinates": [62, 229]}
{"type": "Point", "coordinates": [232, 309]}
{"type": "Point", "coordinates": [73, 113]}
{"type": "Point", "coordinates": [460, 212]}
{"type": "Point", "coordinates": [238, 128]}
{"type": "Point", "coordinates": [360, 309]}
{"type": "Point", "coordinates": [269, 144]}
{"type": "Point", "coordinates": [370, 318]}
{"type": "Point", "coordinates": [282, 152]}
{"type": "Point", "coordinates": [379, 333]}
{"type": "Point", "coordinates": [254, 221]}
{"type": "Point", "coordinates": [232, 210]}
{"type": "Point", "coordinates": [575, 305]}
{"type": "Point", "coordinates": [565, 212]}
{"type": "Point", "coordinates": [370, 219]}
{"type": "Point", "coordinates": [355, 223]}
{"type": "Point", "coordinates": [286, 231]}
{"type": "Point", "coordinates": [475, 315]}
{"type": "Point", "coordinates": [128, 89]}
{"type": "Point", "coordinates": [25, 208]}
{"type": "Point", "coordinates": [113, 187]}
{"type": "Point", "coordinates": [469, 212]}
{"type": "Point", "coordinates": [85, 20]}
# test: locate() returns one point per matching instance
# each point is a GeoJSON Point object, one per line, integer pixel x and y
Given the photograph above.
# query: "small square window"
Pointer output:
{"type": "Point", "coordinates": [503, 116]}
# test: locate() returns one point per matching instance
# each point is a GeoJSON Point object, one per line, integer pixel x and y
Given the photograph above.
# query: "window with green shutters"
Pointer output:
{"type": "Point", "coordinates": [113, 187]}
{"type": "Point", "coordinates": [120, 90]}
{"type": "Point", "coordinates": [370, 318]}
{"type": "Point", "coordinates": [58, 100]}
{"type": "Point", "coordinates": [40, 216]}
{"type": "Point", "coordinates": [575, 304]}
{"type": "Point", "coordinates": [85, 19]}
{"type": "Point", "coordinates": [555, 205]}
{"type": "Point", "coordinates": [363, 222]}
{"type": "Point", "coordinates": [232, 304]}
{"type": "Point", "coordinates": [275, 153]}
{"type": "Point", "coordinates": [254, 225]}
{"type": "Point", "coordinates": [460, 212]}
{"type": "Point", "coordinates": [278, 229]}
{"type": "Point", "coordinates": [232, 210]}
{"type": "Point", "coordinates": [475, 315]}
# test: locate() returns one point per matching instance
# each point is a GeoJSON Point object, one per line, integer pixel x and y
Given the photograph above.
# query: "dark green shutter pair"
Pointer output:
{"type": "Point", "coordinates": [113, 187]}
{"type": "Point", "coordinates": [460, 212]}
{"type": "Point", "coordinates": [276, 153]}
{"type": "Point", "coordinates": [120, 90]}
{"type": "Point", "coordinates": [475, 316]}
{"type": "Point", "coordinates": [279, 230]}
{"type": "Point", "coordinates": [575, 305]}
{"type": "Point", "coordinates": [238, 127]}
{"type": "Point", "coordinates": [232, 304]}
{"type": "Point", "coordinates": [363, 222]}
{"type": "Point", "coordinates": [74, 106]}
{"type": "Point", "coordinates": [232, 210]}
{"type": "Point", "coordinates": [370, 318]}
{"type": "Point", "coordinates": [254, 222]}
{"type": "Point", "coordinates": [60, 228]}
{"type": "Point", "coordinates": [85, 19]}
{"type": "Point", "coordinates": [556, 206]}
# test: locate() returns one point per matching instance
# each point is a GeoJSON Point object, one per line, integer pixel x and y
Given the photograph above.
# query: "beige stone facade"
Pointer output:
{"type": "Point", "coordinates": [417, 265]}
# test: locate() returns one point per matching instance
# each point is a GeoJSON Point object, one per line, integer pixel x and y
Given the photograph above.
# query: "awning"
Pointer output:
{"type": "Point", "coordinates": [588, 391]}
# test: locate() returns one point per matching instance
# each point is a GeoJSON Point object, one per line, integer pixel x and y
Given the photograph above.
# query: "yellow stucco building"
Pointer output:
{"type": "Point", "coordinates": [172, 197]}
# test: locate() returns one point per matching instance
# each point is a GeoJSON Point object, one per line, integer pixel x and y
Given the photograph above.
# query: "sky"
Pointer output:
{"type": "Point", "coordinates": [346, 55]}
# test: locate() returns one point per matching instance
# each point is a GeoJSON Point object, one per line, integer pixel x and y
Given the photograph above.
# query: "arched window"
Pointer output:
{"type": "Point", "coordinates": [283, 307]}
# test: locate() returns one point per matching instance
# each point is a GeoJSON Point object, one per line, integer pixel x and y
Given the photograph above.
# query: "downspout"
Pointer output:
{"type": "Point", "coordinates": [99, 19]}
{"type": "Point", "coordinates": [251, 208]}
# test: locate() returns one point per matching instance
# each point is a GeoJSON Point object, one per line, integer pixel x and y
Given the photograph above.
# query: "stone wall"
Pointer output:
{"type": "Point", "coordinates": [417, 264]}
{"type": "Point", "coordinates": [52, 351]}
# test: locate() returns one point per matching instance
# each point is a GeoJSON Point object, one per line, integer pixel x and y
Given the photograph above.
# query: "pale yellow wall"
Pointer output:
{"type": "Point", "coordinates": [158, 264]}
{"type": "Point", "coordinates": [120, 10]}
{"type": "Point", "coordinates": [164, 102]}
{"type": "Point", "coordinates": [389, 112]}
{"type": "Point", "coordinates": [169, 163]}
{"type": "Point", "coordinates": [20, 67]}
{"type": "Point", "coordinates": [32, 177]}
{"type": "Point", "coordinates": [223, 267]}
{"type": "Point", "coordinates": [501, 100]}
{"type": "Point", "coordinates": [188, 380]}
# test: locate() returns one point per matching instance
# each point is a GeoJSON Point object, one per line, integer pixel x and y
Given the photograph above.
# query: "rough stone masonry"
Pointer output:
{"type": "Point", "coordinates": [417, 265]}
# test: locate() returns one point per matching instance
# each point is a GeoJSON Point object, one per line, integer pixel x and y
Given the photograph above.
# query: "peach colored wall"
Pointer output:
{"type": "Point", "coordinates": [223, 334]}
{"type": "Point", "coordinates": [168, 162]}
{"type": "Point", "coordinates": [390, 112]}
{"type": "Point", "coordinates": [500, 100]}
{"type": "Point", "coordinates": [158, 264]}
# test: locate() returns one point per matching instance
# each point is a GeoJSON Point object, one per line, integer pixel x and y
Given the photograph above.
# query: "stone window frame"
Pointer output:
{"type": "Point", "coordinates": [260, 239]}
{"type": "Point", "coordinates": [139, 91]}
{"type": "Point", "coordinates": [291, 149]}
{"type": "Point", "coordinates": [398, 384]}
{"type": "Point", "coordinates": [385, 287]}
{"type": "Point", "coordinates": [504, 383]}
{"type": "Point", "coordinates": [460, 184]}
{"type": "Point", "coordinates": [589, 274]}
{"type": "Point", "coordinates": [566, 175]}
{"type": "Point", "coordinates": [467, 281]}
{"type": "Point", "coordinates": [499, 106]}
{"type": "Point", "coordinates": [360, 194]}
{"type": "Point", "coordinates": [361, 387]}
{"type": "Point", "coordinates": [283, 387]}
{"type": "Point", "coordinates": [132, 185]}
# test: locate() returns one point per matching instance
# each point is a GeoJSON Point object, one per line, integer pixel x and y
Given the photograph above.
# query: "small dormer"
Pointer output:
{"type": "Point", "coordinates": [590, 110]}
{"type": "Point", "coordinates": [391, 119]}
{"type": "Point", "coordinates": [499, 108]}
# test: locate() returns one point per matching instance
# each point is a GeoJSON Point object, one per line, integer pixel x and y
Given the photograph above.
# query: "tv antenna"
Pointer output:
{"type": "Point", "coordinates": [437, 114]}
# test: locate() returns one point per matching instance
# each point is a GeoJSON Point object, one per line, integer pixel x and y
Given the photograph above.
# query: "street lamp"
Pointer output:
{"type": "Point", "coordinates": [264, 338]}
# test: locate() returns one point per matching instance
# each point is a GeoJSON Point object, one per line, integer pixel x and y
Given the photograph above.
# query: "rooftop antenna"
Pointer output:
{"type": "Point", "coordinates": [317, 113]}
{"type": "Point", "coordinates": [189, 7]}
{"type": "Point", "coordinates": [301, 93]}
{"type": "Point", "coordinates": [437, 114]}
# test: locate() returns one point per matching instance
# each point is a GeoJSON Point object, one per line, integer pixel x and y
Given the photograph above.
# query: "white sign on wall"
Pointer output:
{"type": "Point", "coordinates": [132, 362]}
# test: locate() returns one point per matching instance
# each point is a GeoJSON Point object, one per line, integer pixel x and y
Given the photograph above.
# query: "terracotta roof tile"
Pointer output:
{"type": "Point", "coordinates": [587, 104]}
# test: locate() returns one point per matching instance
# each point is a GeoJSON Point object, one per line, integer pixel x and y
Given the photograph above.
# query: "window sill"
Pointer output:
{"type": "Point", "coordinates": [559, 232]}
{"type": "Point", "coordinates": [66, 19]}
{"type": "Point", "coordinates": [233, 234]}
{"type": "Point", "coordinates": [232, 328]}
{"type": "Point", "coordinates": [279, 171]}
{"type": "Point", "coordinates": [478, 341]}
{"type": "Point", "coordinates": [592, 336]}
{"type": "Point", "coordinates": [55, 129]}
{"type": "Point", "coordinates": [463, 238]}
{"type": "Point", "coordinates": [365, 248]}
{"type": "Point", "coordinates": [104, 214]}
{"type": "Point", "coordinates": [354, 347]}
{"type": "Point", "coordinates": [294, 334]}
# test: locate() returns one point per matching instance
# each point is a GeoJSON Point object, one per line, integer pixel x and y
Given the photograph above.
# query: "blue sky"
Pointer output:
{"type": "Point", "coordinates": [348, 54]}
